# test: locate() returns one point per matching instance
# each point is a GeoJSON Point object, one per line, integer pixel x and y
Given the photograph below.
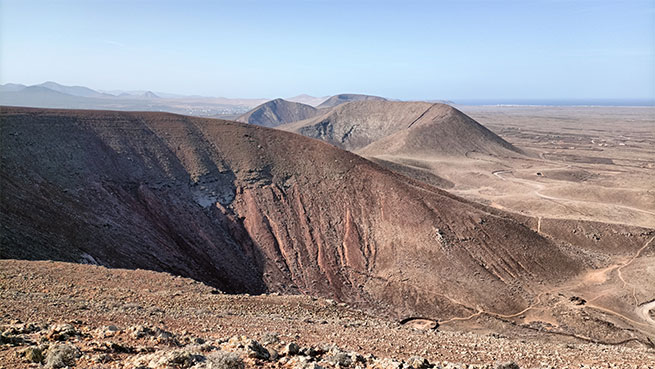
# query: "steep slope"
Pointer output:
{"type": "Point", "coordinates": [346, 98]}
{"type": "Point", "coordinates": [249, 209]}
{"type": "Point", "coordinates": [386, 127]}
{"type": "Point", "coordinates": [276, 112]}
{"type": "Point", "coordinates": [441, 131]}
{"type": "Point", "coordinates": [353, 126]}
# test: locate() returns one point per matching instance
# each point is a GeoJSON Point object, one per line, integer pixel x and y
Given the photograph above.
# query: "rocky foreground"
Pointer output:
{"type": "Point", "coordinates": [65, 345]}
{"type": "Point", "coordinates": [57, 315]}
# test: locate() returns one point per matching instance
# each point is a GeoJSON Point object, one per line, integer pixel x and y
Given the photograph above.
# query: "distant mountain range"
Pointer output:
{"type": "Point", "coordinates": [79, 91]}
{"type": "Point", "coordinates": [54, 95]}
{"type": "Point", "coordinates": [273, 112]}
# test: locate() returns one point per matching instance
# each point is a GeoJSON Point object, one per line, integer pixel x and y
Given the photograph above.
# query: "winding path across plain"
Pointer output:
{"type": "Point", "coordinates": [644, 312]}
{"type": "Point", "coordinates": [539, 187]}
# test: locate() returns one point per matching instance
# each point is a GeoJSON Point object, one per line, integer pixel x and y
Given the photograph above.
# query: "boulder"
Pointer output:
{"type": "Point", "coordinates": [290, 349]}
{"type": "Point", "coordinates": [33, 354]}
{"type": "Point", "coordinates": [417, 362]}
{"type": "Point", "coordinates": [61, 332]}
{"type": "Point", "coordinates": [508, 365]}
{"type": "Point", "coordinates": [255, 350]}
{"type": "Point", "coordinates": [61, 355]}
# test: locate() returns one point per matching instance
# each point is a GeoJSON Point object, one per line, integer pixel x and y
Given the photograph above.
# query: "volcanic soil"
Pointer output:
{"type": "Point", "coordinates": [116, 318]}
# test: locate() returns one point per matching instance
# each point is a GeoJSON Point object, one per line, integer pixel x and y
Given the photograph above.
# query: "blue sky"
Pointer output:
{"type": "Point", "coordinates": [399, 49]}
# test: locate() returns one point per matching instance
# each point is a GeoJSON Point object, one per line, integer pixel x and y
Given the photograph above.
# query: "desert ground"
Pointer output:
{"type": "Point", "coordinates": [591, 163]}
{"type": "Point", "coordinates": [116, 318]}
{"type": "Point", "coordinates": [581, 164]}
{"type": "Point", "coordinates": [529, 241]}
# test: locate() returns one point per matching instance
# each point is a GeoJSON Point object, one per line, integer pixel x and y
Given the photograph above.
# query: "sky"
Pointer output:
{"type": "Point", "coordinates": [399, 49]}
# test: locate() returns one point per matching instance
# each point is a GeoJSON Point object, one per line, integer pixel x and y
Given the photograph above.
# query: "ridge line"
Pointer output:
{"type": "Point", "coordinates": [421, 116]}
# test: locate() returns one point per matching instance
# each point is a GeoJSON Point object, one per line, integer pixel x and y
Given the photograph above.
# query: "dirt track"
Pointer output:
{"type": "Point", "coordinates": [644, 312]}
{"type": "Point", "coordinates": [596, 277]}
{"type": "Point", "coordinates": [538, 186]}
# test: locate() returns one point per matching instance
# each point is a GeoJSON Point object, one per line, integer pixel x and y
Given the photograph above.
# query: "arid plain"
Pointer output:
{"type": "Point", "coordinates": [591, 163]}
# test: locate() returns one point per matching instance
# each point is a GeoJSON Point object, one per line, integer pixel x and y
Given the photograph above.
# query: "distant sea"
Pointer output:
{"type": "Point", "coordinates": [558, 102]}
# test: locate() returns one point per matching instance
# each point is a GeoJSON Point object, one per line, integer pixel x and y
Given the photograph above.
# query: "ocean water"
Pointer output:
{"type": "Point", "coordinates": [558, 102]}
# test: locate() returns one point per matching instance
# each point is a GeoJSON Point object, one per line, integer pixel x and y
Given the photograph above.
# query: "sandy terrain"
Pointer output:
{"type": "Point", "coordinates": [118, 318]}
{"type": "Point", "coordinates": [595, 163]}
{"type": "Point", "coordinates": [580, 164]}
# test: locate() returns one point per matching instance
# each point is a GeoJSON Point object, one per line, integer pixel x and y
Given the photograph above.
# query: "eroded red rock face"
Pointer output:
{"type": "Point", "coordinates": [249, 209]}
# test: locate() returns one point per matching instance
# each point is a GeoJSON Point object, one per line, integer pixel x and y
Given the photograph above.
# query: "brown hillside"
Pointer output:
{"type": "Point", "coordinates": [441, 131]}
{"type": "Point", "coordinates": [275, 112]}
{"type": "Point", "coordinates": [250, 209]}
{"type": "Point", "coordinates": [374, 128]}
{"type": "Point", "coordinates": [354, 125]}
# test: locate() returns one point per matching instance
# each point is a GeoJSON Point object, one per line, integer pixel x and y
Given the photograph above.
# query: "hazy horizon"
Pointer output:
{"type": "Point", "coordinates": [471, 50]}
{"type": "Point", "coordinates": [470, 101]}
